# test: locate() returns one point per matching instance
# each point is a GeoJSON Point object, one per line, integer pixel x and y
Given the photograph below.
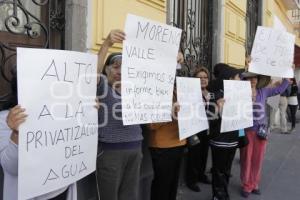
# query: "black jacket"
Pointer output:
{"type": "Point", "coordinates": [223, 140]}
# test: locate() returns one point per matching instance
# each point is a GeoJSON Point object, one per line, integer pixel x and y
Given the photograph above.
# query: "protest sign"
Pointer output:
{"type": "Point", "coordinates": [148, 70]}
{"type": "Point", "coordinates": [273, 53]}
{"type": "Point", "coordinates": [192, 116]}
{"type": "Point", "coordinates": [58, 141]}
{"type": "Point", "coordinates": [277, 23]}
{"type": "Point", "coordinates": [237, 111]}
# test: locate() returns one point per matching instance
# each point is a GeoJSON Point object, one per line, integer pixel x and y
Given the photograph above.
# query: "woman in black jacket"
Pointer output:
{"type": "Point", "coordinates": [223, 145]}
{"type": "Point", "coordinates": [293, 103]}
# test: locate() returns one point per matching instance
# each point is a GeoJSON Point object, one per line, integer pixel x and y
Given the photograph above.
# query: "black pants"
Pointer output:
{"type": "Point", "coordinates": [166, 167]}
{"type": "Point", "coordinates": [293, 110]}
{"type": "Point", "coordinates": [298, 96]}
{"type": "Point", "coordinates": [197, 159]}
{"type": "Point", "coordinates": [222, 159]}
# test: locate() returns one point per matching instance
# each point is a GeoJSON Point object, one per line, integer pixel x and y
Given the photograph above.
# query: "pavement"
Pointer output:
{"type": "Point", "coordinates": [280, 175]}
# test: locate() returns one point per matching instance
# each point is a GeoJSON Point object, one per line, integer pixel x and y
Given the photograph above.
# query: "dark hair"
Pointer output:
{"type": "Point", "coordinates": [12, 99]}
{"type": "Point", "coordinates": [14, 90]}
{"type": "Point", "coordinates": [225, 72]}
{"type": "Point", "coordinates": [294, 81]}
{"type": "Point", "coordinates": [110, 60]}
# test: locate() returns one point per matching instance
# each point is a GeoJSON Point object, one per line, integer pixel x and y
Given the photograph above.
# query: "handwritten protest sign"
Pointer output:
{"type": "Point", "coordinates": [148, 70]}
{"type": "Point", "coordinates": [273, 53]}
{"type": "Point", "coordinates": [192, 116]}
{"type": "Point", "coordinates": [237, 111]}
{"type": "Point", "coordinates": [58, 141]}
{"type": "Point", "coordinates": [277, 23]}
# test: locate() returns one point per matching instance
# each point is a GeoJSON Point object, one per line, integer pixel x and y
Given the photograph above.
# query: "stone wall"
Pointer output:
{"type": "Point", "coordinates": [76, 25]}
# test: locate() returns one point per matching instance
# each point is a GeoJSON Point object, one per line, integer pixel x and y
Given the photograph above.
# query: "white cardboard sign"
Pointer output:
{"type": "Point", "coordinates": [273, 53]}
{"type": "Point", "coordinates": [192, 117]}
{"type": "Point", "coordinates": [237, 111]}
{"type": "Point", "coordinates": [148, 70]}
{"type": "Point", "coordinates": [58, 141]}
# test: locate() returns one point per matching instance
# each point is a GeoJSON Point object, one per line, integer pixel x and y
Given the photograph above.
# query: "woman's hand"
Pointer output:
{"type": "Point", "coordinates": [276, 83]}
{"type": "Point", "coordinates": [294, 67]}
{"type": "Point", "coordinates": [247, 61]}
{"type": "Point", "coordinates": [180, 58]}
{"type": "Point", "coordinates": [289, 80]}
{"type": "Point", "coordinates": [97, 105]}
{"type": "Point", "coordinates": [115, 36]}
{"type": "Point", "coordinates": [15, 118]}
{"type": "Point", "coordinates": [175, 110]}
{"type": "Point", "coordinates": [220, 103]}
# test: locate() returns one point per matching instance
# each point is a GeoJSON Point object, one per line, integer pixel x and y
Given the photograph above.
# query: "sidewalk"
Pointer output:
{"type": "Point", "coordinates": [280, 176]}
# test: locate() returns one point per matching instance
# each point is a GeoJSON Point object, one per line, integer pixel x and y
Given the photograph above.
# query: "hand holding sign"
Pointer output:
{"type": "Point", "coordinates": [180, 58]}
{"type": "Point", "coordinates": [192, 117]}
{"type": "Point", "coordinates": [115, 36]}
{"type": "Point", "coordinates": [220, 103]}
{"type": "Point", "coordinates": [237, 111]}
{"type": "Point", "coordinates": [175, 110]}
{"type": "Point", "coordinates": [148, 70]}
{"type": "Point", "coordinates": [16, 116]}
{"type": "Point", "coordinates": [247, 62]}
{"type": "Point", "coordinates": [58, 141]}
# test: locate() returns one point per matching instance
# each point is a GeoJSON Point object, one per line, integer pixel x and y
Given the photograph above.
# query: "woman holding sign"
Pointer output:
{"type": "Point", "coordinates": [119, 146]}
{"type": "Point", "coordinates": [253, 154]}
{"type": "Point", "coordinates": [167, 152]}
{"type": "Point", "coordinates": [223, 145]}
{"type": "Point", "coordinates": [10, 120]}
{"type": "Point", "coordinates": [198, 153]}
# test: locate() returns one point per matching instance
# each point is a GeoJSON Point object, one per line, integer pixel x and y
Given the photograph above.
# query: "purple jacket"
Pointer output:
{"type": "Point", "coordinates": [259, 108]}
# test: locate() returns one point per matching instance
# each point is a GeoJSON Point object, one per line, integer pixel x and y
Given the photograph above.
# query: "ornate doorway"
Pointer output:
{"type": "Point", "coordinates": [194, 17]}
{"type": "Point", "coordinates": [27, 23]}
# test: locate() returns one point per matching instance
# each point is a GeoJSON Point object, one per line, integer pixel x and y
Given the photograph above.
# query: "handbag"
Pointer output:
{"type": "Point", "coordinates": [193, 140]}
{"type": "Point", "coordinates": [263, 132]}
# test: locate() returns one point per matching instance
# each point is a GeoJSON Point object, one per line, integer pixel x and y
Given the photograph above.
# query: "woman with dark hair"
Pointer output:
{"type": "Point", "coordinates": [118, 165]}
{"type": "Point", "coordinates": [293, 103]}
{"type": "Point", "coordinates": [119, 146]}
{"type": "Point", "coordinates": [198, 153]}
{"type": "Point", "coordinates": [223, 145]}
{"type": "Point", "coordinates": [253, 154]}
{"type": "Point", "coordinates": [167, 152]}
{"type": "Point", "coordinates": [10, 120]}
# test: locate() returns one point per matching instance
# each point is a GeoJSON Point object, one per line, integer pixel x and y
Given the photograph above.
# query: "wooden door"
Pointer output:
{"type": "Point", "coordinates": [27, 23]}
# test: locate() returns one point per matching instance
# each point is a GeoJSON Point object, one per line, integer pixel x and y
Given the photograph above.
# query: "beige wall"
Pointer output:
{"type": "Point", "coordinates": [276, 8]}
{"type": "Point", "coordinates": [234, 32]}
{"type": "Point", "coordinates": [111, 14]}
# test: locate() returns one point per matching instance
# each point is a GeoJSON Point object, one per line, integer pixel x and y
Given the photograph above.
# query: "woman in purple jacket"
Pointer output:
{"type": "Point", "coordinates": [253, 154]}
